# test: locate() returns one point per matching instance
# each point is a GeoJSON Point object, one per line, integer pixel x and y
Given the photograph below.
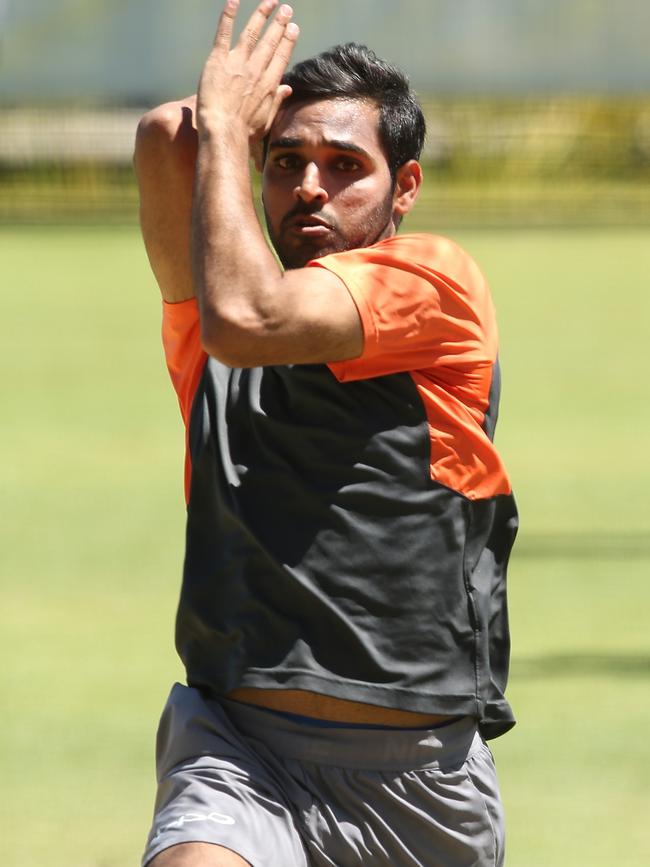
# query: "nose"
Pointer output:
{"type": "Point", "coordinates": [311, 187]}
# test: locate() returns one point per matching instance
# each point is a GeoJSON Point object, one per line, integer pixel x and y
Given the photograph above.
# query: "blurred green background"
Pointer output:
{"type": "Point", "coordinates": [538, 162]}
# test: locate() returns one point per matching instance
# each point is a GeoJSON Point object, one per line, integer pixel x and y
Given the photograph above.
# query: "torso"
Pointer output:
{"type": "Point", "coordinates": [325, 557]}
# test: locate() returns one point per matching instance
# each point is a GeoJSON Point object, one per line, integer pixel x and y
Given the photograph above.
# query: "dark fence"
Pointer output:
{"type": "Point", "coordinates": [501, 162]}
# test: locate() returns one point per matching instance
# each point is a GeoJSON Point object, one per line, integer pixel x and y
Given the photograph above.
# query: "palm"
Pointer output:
{"type": "Point", "coordinates": [241, 84]}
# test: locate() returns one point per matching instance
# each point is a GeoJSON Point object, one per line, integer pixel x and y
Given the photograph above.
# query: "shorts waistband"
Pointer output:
{"type": "Point", "coordinates": [377, 749]}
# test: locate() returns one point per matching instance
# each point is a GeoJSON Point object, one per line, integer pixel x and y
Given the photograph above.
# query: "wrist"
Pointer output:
{"type": "Point", "coordinates": [215, 126]}
{"type": "Point", "coordinates": [224, 146]}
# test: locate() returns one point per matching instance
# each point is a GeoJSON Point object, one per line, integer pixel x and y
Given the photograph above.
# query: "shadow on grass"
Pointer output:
{"type": "Point", "coordinates": [579, 546]}
{"type": "Point", "coordinates": [582, 664]}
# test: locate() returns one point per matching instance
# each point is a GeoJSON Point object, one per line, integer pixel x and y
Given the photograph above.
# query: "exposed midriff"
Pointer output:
{"type": "Point", "coordinates": [318, 706]}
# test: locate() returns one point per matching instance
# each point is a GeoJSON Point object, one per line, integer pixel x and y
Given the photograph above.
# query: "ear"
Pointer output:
{"type": "Point", "coordinates": [407, 186]}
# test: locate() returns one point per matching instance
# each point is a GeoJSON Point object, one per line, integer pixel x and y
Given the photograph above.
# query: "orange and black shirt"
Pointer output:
{"type": "Point", "coordinates": [349, 525]}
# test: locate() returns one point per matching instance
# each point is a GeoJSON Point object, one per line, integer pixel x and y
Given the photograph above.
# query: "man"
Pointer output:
{"type": "Point", "coordinates": [342, 618]}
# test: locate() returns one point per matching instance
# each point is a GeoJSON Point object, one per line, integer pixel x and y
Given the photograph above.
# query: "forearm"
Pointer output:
{"type": "Point", "coordinates": [238, 281]}
{"type": "Point", "coordinates": [252, 313]}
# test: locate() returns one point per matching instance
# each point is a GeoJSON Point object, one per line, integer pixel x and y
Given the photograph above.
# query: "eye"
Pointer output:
{"type": "Point", "coordinates": [347, 164]}
{"type": "Point", "coordinates": [288, 162]}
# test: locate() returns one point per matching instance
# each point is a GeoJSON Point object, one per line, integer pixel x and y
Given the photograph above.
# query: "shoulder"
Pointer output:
{"type": "Point", "coordinates": [425, 249]}
{"type": "Point", "coordinates": [431, 258]}
{"type": "Point", "coordinates": [437, 252]}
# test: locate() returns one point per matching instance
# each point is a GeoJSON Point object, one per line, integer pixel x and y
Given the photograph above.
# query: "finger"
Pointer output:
{"type": "Point", "coordinates": [223, 37]}
{"type": "Point", "coordinates": [251, 33]}
{"type": "Point", "coordinates": [283, 92]}
{"type": "Point", "coordinates": [282, 56]}
{"type": "Point", "coordinates": [273, 36]}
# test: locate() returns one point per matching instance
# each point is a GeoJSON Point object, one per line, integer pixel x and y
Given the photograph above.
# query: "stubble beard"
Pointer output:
{"type": "Point", "coordinates": [376, 226]}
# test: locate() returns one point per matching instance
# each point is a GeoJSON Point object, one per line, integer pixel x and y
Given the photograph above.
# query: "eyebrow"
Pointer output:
{"type": "Point", "coordinates": [287, 143]}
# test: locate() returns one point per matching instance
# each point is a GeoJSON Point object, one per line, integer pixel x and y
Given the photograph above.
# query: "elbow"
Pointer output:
{"type": "Point", "coordinates": [234, 338]}
{"type": "Point", "coordinates": [216, 339]}
{"type": "Point", "coordinates": [223, 344]}
{"type": "Point", "coordinates": [166, 132]}
{"type": "Point", "coordinates": [156, 129]}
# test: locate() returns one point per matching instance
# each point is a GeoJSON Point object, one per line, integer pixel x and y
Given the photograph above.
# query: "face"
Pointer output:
{"type": "Point", "coordinates": [326, 182]}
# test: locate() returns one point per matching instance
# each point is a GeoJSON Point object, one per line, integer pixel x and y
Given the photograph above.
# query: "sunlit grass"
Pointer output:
{"type": "Point", "coordinates": [92, 533]}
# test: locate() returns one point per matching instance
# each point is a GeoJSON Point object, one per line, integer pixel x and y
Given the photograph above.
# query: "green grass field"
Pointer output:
{"type": "Point", "coordinates": [92, 533]}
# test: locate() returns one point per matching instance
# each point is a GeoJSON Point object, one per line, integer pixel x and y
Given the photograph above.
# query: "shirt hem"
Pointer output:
{"type": "Point", "coordinates": [394, 697]}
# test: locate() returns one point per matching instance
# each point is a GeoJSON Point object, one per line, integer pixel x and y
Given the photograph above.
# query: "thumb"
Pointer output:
{"type": "Point", "coordinates": [283, 92]}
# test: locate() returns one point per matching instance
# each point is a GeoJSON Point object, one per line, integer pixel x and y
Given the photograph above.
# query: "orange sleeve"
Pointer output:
{"type": "Point", "coordinates": [423, 304]}
{"type": "Point", "coordinates": [181, 335]}
{"type": "Point", "coordinates": [426, 309]}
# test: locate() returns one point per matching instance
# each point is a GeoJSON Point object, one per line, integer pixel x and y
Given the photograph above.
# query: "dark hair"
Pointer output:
{"type": "Point", "coordinates": [353, 71]}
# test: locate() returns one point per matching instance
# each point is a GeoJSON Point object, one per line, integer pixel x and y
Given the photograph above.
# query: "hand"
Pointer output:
{"type": "Point", "coordinates": [241, 85]}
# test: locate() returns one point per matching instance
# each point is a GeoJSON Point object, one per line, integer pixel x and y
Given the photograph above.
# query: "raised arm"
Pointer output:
{"type": "Point", "coordinates": [165, 159]}
{"type": "Point", "coordinates": [251, 312]}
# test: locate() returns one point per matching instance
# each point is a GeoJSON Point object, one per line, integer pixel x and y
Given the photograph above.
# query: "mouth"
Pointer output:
{"type": "Point", "coordinates": [309, 225]}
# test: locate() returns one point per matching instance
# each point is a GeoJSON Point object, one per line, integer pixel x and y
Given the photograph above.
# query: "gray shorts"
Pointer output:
{"type": "Point", "coordinates": [283, 793]}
